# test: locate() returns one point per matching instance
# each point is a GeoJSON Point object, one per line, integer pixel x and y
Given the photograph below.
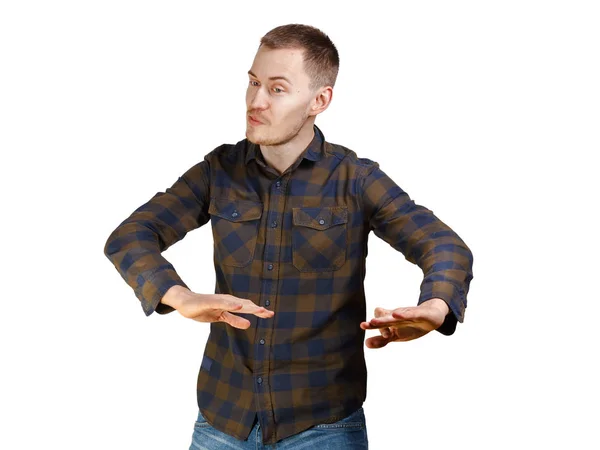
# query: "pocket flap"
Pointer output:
{"type": "Point", "coordinates": [321, 217]}
{"type": "Point", "coordinates": [235, 210]}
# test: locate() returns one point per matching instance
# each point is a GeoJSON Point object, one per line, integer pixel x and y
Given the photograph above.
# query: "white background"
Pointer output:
{"type": "Point", "coordinates": [485, 112]}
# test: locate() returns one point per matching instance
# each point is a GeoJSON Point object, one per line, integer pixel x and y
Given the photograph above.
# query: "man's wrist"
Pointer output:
{"type": "Point", "coordinates": [173, 296]}
{"type": "Point", "coordinates": [438, 304]}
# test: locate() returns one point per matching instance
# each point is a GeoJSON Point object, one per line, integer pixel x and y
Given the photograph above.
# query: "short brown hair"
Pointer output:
{"type": "Point", "coordinates": [321, 59]}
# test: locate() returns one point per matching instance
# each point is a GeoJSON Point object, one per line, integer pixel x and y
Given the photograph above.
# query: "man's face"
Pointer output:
{"type": "Point", "coordinates": [281, 105]}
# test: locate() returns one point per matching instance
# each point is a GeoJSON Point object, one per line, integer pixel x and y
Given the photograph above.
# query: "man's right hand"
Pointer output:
{"type": "Point", "coordinates": [213, 307]}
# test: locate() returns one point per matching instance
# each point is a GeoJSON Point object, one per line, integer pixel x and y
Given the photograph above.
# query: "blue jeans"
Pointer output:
{"type": "Point", "coordinates": [350, 433]}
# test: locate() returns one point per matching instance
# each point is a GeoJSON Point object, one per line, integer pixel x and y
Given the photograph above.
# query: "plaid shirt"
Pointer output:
{"type": "Point", "coordinates": [295, 243]}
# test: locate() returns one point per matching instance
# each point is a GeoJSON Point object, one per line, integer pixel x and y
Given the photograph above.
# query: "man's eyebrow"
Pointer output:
{"type": "Point", "coordinates": [272, 78]}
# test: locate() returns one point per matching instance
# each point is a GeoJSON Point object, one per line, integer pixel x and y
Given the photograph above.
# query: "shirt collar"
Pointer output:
{"type": "Point", "coordinates": [314, 151]}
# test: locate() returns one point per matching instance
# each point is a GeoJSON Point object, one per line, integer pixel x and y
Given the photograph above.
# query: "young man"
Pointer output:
{"type": "Point", "coordinates": [290, 215]}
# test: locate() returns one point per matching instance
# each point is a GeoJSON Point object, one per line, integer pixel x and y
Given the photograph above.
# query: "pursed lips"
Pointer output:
{"type": "Point", "coordinates": [254, 120]}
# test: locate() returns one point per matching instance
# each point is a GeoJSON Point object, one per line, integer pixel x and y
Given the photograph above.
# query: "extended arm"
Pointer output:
{"type": "Point", "coordinates": [135, 246]}
{"type": "Point", "coordinates": [423, 239]}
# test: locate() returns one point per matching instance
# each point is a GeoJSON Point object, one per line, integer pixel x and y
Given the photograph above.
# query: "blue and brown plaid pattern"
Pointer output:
{"type": "Point", "coordinates": [295, 243]}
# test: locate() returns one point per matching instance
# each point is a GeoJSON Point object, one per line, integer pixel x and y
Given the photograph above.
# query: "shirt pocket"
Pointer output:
{"type": "Point", "coordinates": [319, 238]}
{"type": "Point", "coordinates": [235, 230]}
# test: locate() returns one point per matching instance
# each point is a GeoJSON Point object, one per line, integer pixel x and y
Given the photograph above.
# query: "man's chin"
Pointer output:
{"type": "Point", "coordinates": [254, 138]}
{"type": "Point", "coordinates": [250, 137]}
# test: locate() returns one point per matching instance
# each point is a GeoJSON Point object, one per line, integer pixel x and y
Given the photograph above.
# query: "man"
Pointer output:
{"type": "Point", "coordinates": [290, 214]}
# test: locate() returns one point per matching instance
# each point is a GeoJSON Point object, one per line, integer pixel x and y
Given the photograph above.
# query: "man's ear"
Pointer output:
{"type": "Point", "coordinates": [322, 100]}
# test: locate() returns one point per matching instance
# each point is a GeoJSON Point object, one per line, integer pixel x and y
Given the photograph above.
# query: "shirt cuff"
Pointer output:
{"type": "Point", "coordinates": [154, 288]}
{"type": "Point", "coordinates": [454, 298]}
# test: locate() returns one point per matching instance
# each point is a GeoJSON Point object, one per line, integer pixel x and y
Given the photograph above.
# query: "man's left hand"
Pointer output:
{"type": "Point", "coordinates": [405, 324]}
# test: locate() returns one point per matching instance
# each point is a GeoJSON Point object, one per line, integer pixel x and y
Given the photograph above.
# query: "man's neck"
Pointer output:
{"type": "Point", "coordinates": [280, 157]}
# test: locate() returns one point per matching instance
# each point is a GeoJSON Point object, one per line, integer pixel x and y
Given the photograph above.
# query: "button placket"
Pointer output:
{"type": "Point", "coordinates": [273, 228]}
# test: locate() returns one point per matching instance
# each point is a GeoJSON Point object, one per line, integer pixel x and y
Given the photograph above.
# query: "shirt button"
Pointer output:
{"type": "Point", "coordinates": [274, 224]}
{"type": "Point", "coordinates": [234, 214]}
{"type": "Point", "coordinates": [321, 221]}
{"type": "Point", "coordinates": [278, 183]}
{"type": "Point", "coordinates": [267, 302]}
{"type": "Point", "coordinates": [270, 267]}
{"type": "Point", "coordinates": [262, 341]}
{"type": "Point", "coordinates": [259, 380]}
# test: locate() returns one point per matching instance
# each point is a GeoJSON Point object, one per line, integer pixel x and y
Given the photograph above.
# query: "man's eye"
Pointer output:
{"type": "Point", "coordinates": [279, 89]}
{"type": "Point", "coordinates": [252, 81]}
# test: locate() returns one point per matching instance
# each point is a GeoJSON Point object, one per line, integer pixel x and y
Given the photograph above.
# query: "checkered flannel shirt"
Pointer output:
{"type": "Point", "coordinates": [295, 243]}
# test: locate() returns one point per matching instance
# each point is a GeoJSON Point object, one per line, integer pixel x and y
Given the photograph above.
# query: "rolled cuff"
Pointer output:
{"type": "Point", "coordinates": [454, 298]}
{"type": "Point", "coordinates": [154, 288]}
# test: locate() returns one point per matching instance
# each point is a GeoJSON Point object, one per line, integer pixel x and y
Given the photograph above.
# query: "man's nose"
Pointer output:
{"type": "Point", "coordinates": [259, 100]}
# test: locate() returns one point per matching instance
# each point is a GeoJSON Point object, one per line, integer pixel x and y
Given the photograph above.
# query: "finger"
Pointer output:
{"type": "Point", "coordinates": [241, 305]}
{"type": "Point", "coordinates": [367, 326]}
{"type": "Point", "coordinates": [377, 342]}
{"type": "Point", "coordinates": [406, 313]}
{"type": "Point", "coordinates": [377, 321]}
{"type": "Point", "coordinates": [382, 322]}
{"type": "Point", "coordinates": [396, 325]}
{"type": "Point", "coordinates": [235, 321]}
{"type": "Point", "coordinates": [386, 332]}
{"type": "Point", "coordinates": [379, 311]}
{"type": "Point", "coordinates": [249, 307]}
{"type": "Point", "coordinates": [377, 326]}
{"type": "Point", "coordinates": [392, 320]}
{"type": "Point", "coordinates": [263, 312]}
{"type": "Point", "coordinates": [226, 305]}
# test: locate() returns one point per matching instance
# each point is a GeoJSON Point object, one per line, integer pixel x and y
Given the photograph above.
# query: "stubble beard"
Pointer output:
{"type": "Point", "coordinates": [281, 141]}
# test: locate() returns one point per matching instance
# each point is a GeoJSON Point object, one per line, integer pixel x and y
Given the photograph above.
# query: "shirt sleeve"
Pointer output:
{"type": "Point", "coordinates": [422, 238]}
{"type": "Point", "coordinates": [135, 246]}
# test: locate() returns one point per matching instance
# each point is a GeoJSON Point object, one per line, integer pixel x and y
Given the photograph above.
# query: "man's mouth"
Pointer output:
{"type": "Point", "coordinates": [253, 121]}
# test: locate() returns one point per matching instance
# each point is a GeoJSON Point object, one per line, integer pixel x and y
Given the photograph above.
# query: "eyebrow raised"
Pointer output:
{"type": "Point", "coordinates": [272, 78]}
